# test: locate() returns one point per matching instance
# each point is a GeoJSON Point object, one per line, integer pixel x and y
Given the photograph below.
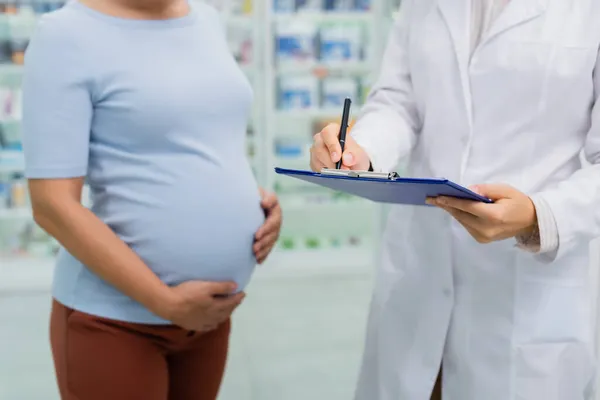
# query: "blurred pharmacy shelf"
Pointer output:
{"type": "Point", "coordinates": [327, 16]}
{"type": "Point", "coordinates": [323, 68]}
{"type": "Point", "coordinates": [26, 252]}
{"type": "Point", "coordinates": [310, 113]}
{"type": "Point", "coordinates": [318, 53]}
{"type": "Point", "coordinates": [241, 21]}
{"type": "Point", "coordinates": [11, 161]}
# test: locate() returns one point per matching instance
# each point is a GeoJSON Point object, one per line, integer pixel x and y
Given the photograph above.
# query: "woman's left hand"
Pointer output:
{"type": "Point", "coordinates": [512, 213]}
{"type": "Point", "coordinates": [267, 235]}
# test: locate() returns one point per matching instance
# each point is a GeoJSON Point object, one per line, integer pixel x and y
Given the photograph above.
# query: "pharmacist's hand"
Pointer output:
{"type": "Point", "coordinates": [267, 235]}
{"type": "Point", "coordinates": [202, 306]}
{"type": "Point", "coordinates": [511, 215]}
{"type": "Point", "coordinates": [326, 151]}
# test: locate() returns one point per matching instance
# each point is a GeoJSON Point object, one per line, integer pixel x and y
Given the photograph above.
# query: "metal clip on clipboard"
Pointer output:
{"type": "Point", "coordinates": [392, 176]}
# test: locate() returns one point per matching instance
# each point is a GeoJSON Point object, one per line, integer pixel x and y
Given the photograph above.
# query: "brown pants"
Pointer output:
{"type": "Point", "coordinates": [101, 359]}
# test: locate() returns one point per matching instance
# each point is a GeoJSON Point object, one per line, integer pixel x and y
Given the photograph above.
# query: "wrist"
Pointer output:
{"type": "Point", "coordinates": [530, 232]}
{"type": "Point", "coordinates": [164, 302]}
{"type": "Point", "coordinates": [531, 229]}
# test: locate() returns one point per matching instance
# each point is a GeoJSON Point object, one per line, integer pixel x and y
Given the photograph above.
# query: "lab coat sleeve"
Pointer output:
{"type": "Point", "coordinates": [387, 126]}
{"type": "Point", "coordinates": [544, 241]}
{"type": "Point", "coordinates": [575, 202]}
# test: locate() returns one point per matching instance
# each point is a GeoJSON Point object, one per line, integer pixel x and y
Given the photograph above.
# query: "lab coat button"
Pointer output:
{"type": "Point", "coordinates": [447, 292]}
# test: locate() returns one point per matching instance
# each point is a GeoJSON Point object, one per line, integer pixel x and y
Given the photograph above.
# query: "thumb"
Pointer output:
{"type": "Point", "coordinates": [349, 159]}
{"type": "Point", "coordinates": [269, 200]}
{"type": "Point", "coordinates": [355, 157]}
{"type": "Point", "coordinates": [494, 192]}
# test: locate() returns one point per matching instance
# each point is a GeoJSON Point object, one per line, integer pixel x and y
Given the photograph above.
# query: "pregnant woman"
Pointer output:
{"type": "Point", "coordinates": [143, 101]}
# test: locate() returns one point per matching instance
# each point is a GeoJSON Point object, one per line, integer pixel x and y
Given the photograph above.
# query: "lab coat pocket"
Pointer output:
{"type": "Point", "coordinates": [539, 73]}
{"type": "Point", "coordinates": [551, 312]}
{"type": "Point", "coordinates": [553, 371]}
{"type": "Point", "coordinates": [535, 56]}
{"type": "Point", "coordinates": [572, 61]}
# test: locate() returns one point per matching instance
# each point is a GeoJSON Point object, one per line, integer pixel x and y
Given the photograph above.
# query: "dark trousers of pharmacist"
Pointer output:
{"type": "Point", "coordinates": [437, 390]}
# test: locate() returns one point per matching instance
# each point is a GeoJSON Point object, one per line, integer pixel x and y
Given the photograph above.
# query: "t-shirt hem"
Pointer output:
{"type": "Point", "coordinates": [51, 173]}
{"type": "Point", "coordinates": [123, 311]}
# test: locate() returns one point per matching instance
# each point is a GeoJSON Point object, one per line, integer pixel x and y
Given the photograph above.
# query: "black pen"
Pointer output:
{"type": "Point", "coordinates": [344, 128]}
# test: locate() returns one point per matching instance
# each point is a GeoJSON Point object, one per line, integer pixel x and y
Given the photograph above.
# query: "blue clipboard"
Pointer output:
{"type": "Point", "coordinates": [384, 187]}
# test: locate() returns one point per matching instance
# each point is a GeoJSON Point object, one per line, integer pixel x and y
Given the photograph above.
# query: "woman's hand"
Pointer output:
{"type": "Point", "coordinates": [201, 306]}
{"type": "Point", "coordinates": [267, 235]}
{"type": "Point", "coordinates": [512, 213]}
{"type": "Point", "coordinates": [326, 151]}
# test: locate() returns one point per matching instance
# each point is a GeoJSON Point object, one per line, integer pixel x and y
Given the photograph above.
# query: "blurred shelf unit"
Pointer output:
{"type": "Point", "coordinates": [20, 238]}
{"type": "Point", "coordinates": [242, 22]}
{"type": "Point", "coordinates": [317, 53]}
{"type": "Point", "coordinates": [18, 19]}
{"type": "Point", "coordinates": [315, 64]}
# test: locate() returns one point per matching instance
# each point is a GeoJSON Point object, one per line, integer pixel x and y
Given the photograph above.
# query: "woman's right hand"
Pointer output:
{"type": "Point", "coordinates": [326, 151]}
{"type": "Point", "coordinates": [202, 306]}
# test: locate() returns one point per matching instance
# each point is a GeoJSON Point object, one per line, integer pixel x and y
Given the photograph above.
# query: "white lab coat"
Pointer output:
{"type": "Point", "coordinates": [509, 325]}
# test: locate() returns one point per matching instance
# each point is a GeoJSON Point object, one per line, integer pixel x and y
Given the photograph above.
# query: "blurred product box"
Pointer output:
{"type": "Point", "coordinates": [290, 6]}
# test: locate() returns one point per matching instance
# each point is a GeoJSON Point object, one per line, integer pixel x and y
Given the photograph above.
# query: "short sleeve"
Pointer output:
{"type": "Point", "coordinates": [57, 106]}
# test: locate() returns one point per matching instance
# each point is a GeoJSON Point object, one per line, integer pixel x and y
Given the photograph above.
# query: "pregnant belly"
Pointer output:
{"type": "Point", "coordinates": [209, 239]}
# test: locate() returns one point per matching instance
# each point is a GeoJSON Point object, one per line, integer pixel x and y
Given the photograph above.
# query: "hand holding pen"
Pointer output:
{"type": "Point", "coordinates": [332, 148]}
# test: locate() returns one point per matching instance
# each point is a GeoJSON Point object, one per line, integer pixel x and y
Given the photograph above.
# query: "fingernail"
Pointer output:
{"type": "Point", "coordinates": [348, 159]}
{"type": "Point", "coordinates": [429, 201]}
{"type": "Point", "coordinates": [334, 156]}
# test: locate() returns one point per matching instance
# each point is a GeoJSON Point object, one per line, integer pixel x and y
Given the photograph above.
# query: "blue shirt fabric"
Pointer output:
{"type": "Point", "coordinates": [154, 114]}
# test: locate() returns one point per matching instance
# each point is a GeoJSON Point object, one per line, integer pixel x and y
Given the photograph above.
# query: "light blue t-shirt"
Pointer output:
{"type": "Point", "coordinates": [154, 114]}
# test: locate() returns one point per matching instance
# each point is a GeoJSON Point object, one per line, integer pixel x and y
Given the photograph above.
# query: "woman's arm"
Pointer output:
{"type": "Point", "coordinates": [58, 210]}
{"type": "Point", "coordinates": [387, 128]}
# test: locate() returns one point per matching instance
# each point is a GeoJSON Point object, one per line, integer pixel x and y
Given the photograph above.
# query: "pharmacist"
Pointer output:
{"type": "Point", "coordinates": [492, 302]}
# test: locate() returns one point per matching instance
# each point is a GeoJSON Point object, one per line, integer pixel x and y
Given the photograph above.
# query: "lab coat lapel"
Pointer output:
{"type": "Point", "coordinates": [517, 12]}
{"type": "Point", "coordinates": [457, 16]}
